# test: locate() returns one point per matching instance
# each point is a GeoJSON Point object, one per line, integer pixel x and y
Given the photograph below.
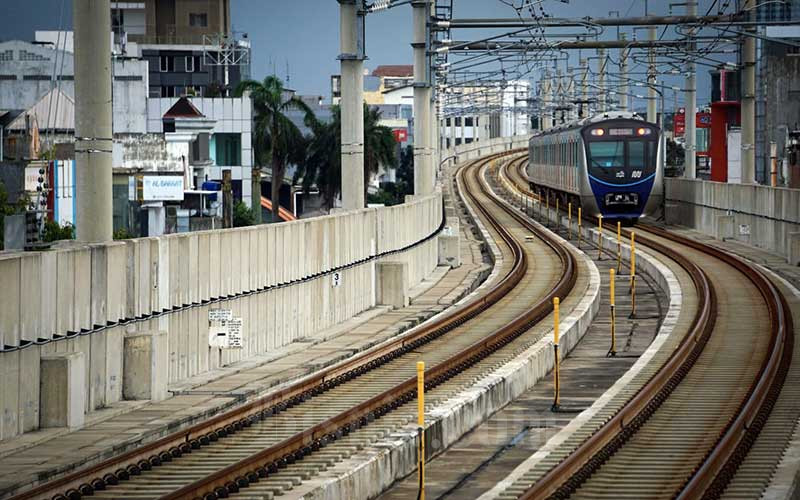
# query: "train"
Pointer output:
{"type": "Point", "coordinates": [609, 164]}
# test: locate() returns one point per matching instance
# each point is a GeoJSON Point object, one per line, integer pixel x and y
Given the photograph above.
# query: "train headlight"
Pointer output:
{"type": "Point", "coordinates": [598, 132]}
{"type": "Point", "coordinates": [643, 131]}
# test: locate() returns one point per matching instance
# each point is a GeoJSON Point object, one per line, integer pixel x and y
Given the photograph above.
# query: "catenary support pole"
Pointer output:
{"type": "Point", "coordinates": [601, 81]}
{"type": "Point", "coordinates": [623, 70]}
{"type": "Point", "coordinates": [351, 24]}
{"type": "Point", "coordinates": [584, 88]}
{"type": "Point", "coordinates": [423, 156]}
{"type": "Point", "coordinates": [749, 100]}
{"type": "Point", "coordinates": [690, 159]}
{"type": "Point", "coordinates": [93, 132]}
{"type": "Point", "coordinates": [651, 78]}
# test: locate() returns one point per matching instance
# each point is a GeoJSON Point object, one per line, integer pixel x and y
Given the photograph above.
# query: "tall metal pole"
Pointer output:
{"type": "Point", "coordinates": [93, 133]}
{"type": "Point", "coordinates": [571, 95]}
{"type": "Point", "coordinates": [651, 79]}
{"type": "Point", "coordinates": [623, 69]}
{"type": "Point", "coordinates": [601, 81]}
{"type": "Point", "coordinates": [690, 135]}
{"type": "Point", "coordinates": [584, 88]}
{"type": "Point", "coordinates": [423, 156]}
{"type": "Point", "coordinates": [547, 113]}
{"type": "Point", "coordinates": [749, 101]}
{"type": "Point", "coordinates": [351, 44]}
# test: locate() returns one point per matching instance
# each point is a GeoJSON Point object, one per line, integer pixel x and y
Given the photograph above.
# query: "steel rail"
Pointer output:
{"type": "Point", "coordinates": [131, 463]}
{"type": "Point", "coordinates": [712, 475]}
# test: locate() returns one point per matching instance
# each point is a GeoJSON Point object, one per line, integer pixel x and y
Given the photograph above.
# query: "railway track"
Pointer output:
{"type": "Point", "coordinates": [270, 445]}
{"type": "Point", "coordinates": [687, 430]}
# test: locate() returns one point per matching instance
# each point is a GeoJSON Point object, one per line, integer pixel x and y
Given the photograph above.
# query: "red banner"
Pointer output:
{"type": "Point", "coordinates": [400, 134]}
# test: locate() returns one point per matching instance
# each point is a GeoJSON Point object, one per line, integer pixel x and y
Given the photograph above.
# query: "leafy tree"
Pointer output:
{"type": "Point", "coordinates": [405, 171]}
{"type": "Point", "coordinates": [277, 140]}
{"type": "Point", "coordinates": [242, 215]}
{"type": "Point", "coordinates": [322, 166]}
{"type": "Point", "coordinates": [53, 231]}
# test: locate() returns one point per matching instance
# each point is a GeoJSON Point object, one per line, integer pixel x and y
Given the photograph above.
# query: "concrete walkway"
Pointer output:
{"type": "Point", "coordinates": [46, 454]}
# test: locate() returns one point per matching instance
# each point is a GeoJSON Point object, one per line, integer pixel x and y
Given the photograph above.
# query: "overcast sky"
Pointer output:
{"type": "Point", "coordinates": [304, 34]}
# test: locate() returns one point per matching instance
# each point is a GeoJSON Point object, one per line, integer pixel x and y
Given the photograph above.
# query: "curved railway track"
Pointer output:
{"type": "Point", "coordinates": [687, 430]}
{"type": "Point", "coordinates": [258, 443]}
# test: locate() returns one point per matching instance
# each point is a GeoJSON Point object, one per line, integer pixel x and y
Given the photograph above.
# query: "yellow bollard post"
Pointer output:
{"type": "Point", "coordinates": [619, 246]}
{"type": "Point", "coordinates": [556, 377]}
{"type": "Point", "coordinates": [580, 236]}
{"type": "Point", "coordinates": [558, 222]}
{"type": "Point", "coordinates": [633, 274]}
{"type": "Point", "coordinates": [569, 221]}
{"type": "Point", "coordinates": [600, 237]}
{"type": "Point", "coordinates": [421, 424]}
{"type": "Point", "coordinates": [612, 278]}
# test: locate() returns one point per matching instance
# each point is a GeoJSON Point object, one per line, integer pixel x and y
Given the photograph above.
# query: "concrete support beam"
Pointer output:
{"type": "Point", "coordinates": [749, 100]}
{"type": "Point", "coordinates": [393, 284]}
{"type": "Point", "coordinates": [423, 149]}
{"type": "Point", "coordinates": [351, 21]}
{"type": "Point", "coordinates": [93, 217]}
{"type": "Point", "coordinates": [623, 70]}
{"type": "Point", "coordinates": [144, 370]}
{"type": "Point", "coordinates": [602, 61]}
{"type": "Point", "coordinates": [62, 396]}
{"type": "Point", "coordinates": [690, 168]}
{"type": "Point", "coordinates": [651, 79]}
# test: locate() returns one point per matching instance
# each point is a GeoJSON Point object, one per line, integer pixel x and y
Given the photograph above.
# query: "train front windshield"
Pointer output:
{"type": "Point", "coordinates": [621, 154]}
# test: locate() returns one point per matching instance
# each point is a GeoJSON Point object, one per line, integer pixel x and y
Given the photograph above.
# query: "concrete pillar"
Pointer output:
{"type": "Point", "coordinates": [725, 227]}
{"type": "Point", "coordinates": [227, 199]}
{"type": "Point", "coordinates": [601, 81]}
{"type": "Point", "coordinates": [93, 145]}
{"type": "Point", "coordinates": [690, 148]}
{"type": "Point", "coordinates": [423, 155]}
{"type": "Point", "coordinates": [62, 387]}
{"type": "Point", "coordinates": [144, 369]}
{"type": "Point", "coordinates": [547, 101]}
{"type": "Point", "coordinates": [793, 249]}
{"type": "Point", "coordinates": [393, 284]}
{"type": "Point", "coordinates": [255, 194]}
{"type": "Point", "coordinates": [749, 101]}
{"type": "Point", "coordinates": [623, 70]}
{"type": "Point", "coordinates": [651, 78]}
{"type": "Point", "coordinates": [351, 22]}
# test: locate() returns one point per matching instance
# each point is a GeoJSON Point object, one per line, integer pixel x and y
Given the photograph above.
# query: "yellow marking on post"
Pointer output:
{"type": "Point", "coordinates": [556, 377]}
{"type": "Point", "coordinates": [600, 237]}
{"type": "Point", "coordinates": [569, 221]}
{"type": "Point", "coordinates": [421, 423]}
{"type": "Point", "coordinates": [612, 278]}
{"type": "Point", "coordinates": [580, 236]}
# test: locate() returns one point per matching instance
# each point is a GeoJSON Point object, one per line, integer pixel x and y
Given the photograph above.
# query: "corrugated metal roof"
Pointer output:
{"type": "Point", "coordinates": [59, 106]}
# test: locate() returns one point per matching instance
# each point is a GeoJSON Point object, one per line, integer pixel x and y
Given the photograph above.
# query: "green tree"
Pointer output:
{"type": "Point", "coordinates": [277, 140]}
{"type": "Point", "coordinates": [242, 215]}
{"type": "Point", "coordinates": [322, 166]}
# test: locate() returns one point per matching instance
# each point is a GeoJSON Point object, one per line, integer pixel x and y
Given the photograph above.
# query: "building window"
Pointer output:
{"type": "Point", "coordinates": [8, 77]}
{"type": "Point", "coordinates": [36, 77]}
{"type": "Point", "coordinates": [66, 77]}
{"type": "Point", "coordinates": [24, 55]}
{"type": "Point", "coordinates": [198, 63]}
{"type": "Point", "coordinates": [198, 20]}
{"type": "Point", "coordinates": [189, 64]}
{"type": "Point", "coordinates": [167, 91]}
{"type": "Point", "coordinates": [228, 149]}
{"type": "Point", "coordinates": [128, 78]}
{"type": "Point", "coordinates": [7, 55]}
{"type": "Point", "coordinates": [468, 121]}
{"type": "Point", "coordinates": [167, 63]}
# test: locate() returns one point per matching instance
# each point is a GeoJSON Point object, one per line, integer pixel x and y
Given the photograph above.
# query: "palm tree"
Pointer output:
{"type": "Point", "coordinates": [322, 166]}
{"type": "Point", "coordinates": [380, 147]}
{"type": "Point", "coordinates": [277, 140]}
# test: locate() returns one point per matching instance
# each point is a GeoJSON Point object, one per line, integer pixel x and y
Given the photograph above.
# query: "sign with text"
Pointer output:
{"type": "Point", "coordinates": [400, 134]}
{"type": "Point", "coordinates": [220, 315]}
{"type": "Point", "coordinates": [162, 188]}
{"type": "Point", "coordinates": [336, 279]}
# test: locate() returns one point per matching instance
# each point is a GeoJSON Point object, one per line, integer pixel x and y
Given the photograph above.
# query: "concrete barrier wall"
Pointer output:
{"type": "Point", "coordinates": [466, 152]}
{"type": "Point", "coordinates": [762, 216]}
{"type": "Point", "coordinates": [277, 278]}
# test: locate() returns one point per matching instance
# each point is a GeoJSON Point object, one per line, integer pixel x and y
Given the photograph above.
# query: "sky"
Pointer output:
{"type": "Point", "coordinates": [299, 39]}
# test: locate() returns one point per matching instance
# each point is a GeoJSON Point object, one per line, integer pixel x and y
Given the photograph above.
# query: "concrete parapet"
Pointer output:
{"type": "Point", "coordinates": [62, 393]}
{"type": "Point", "coordinates": [393, 284]}
{"type": "Point", "coordinates": [144, 370]}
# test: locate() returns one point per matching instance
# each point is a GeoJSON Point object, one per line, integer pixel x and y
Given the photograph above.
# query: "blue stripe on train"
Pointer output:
{"type": "Point", "coordinates": [600, 189]}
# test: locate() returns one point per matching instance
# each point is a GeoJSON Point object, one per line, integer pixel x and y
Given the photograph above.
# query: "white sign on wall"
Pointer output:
{"type": "Point", "coordinates": [224, 331]}
{"type": "Point", "coordinates": [162, 188]}
{"type": "Point", "coordinates": [336, 279]}
{"type": "Point", "coordinates": [220, 315]}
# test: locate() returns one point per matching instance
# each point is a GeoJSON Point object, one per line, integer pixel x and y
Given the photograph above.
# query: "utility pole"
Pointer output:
{"type": "Point", "coordinates": [584, 88]}
{"type": "Point", "coordinates": [690, 114]}
{"type": "Point", "coordinates": [93, 132]}
{"type": "Point", "coordinates": [623, 69]}
{"type": "Point", "coordinates": [651, 78]}
{"type": "Point", "coordinates": [351, 44]}
{"type": "Point", "coordinates": [749, 100]}
{"type": "Point", "coordinates": [601, 81]}
{"type": "Point", "coordinates": [423, 155]}
{"type": "Point", "coordinates": [547, 116]}
{"type": "Point", "coordinates": [572, 115]}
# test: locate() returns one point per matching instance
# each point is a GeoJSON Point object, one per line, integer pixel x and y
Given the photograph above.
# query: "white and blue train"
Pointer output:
{"type": "Point", "coordinates": [609, 164]}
